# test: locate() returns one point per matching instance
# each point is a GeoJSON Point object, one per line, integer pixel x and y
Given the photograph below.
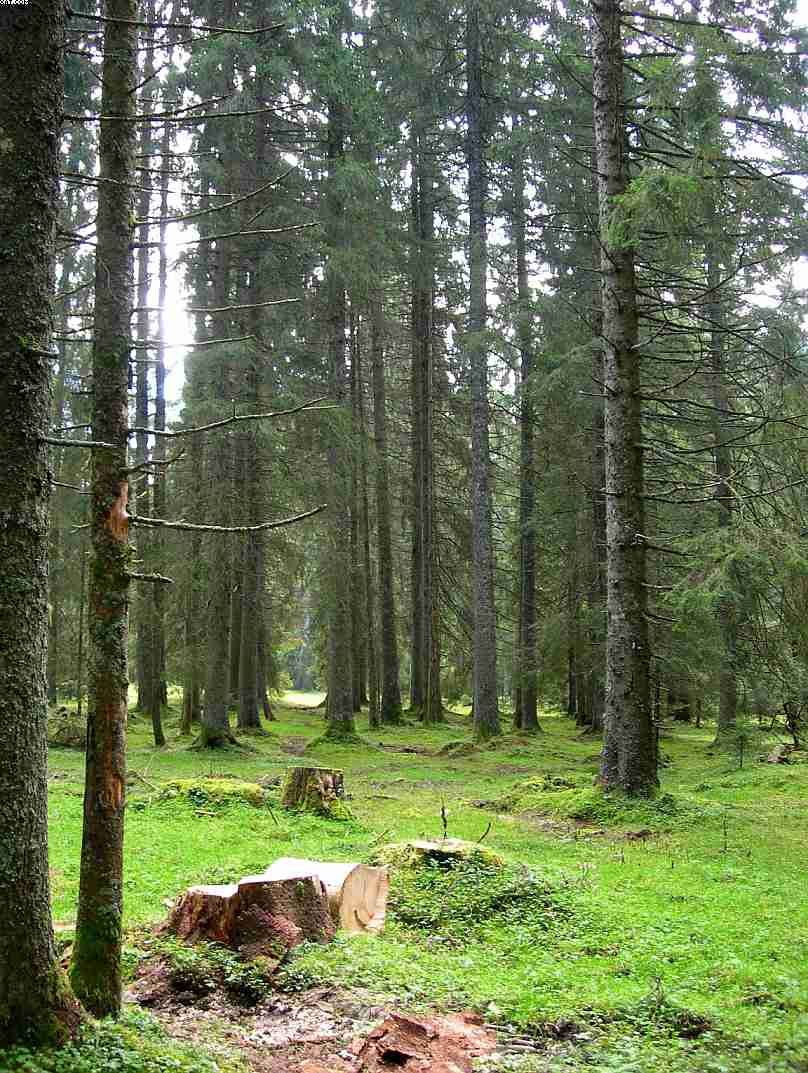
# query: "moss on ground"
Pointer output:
{"type": "Point", "coordinates": [215, 791]}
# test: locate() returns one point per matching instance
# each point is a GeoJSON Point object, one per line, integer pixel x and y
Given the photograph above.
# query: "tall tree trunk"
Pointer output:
{"type": "Point", "coordinates": [374, 707]}
{"type": "Point", "coordinates": [724, 498]}
{"type": "Point", "coordinates": [527, 684]}
{"type": "Point", "coordinates": [629, 749]}
{"type": "Point", "coordinates": [214, 728]}
{"type": "Point", "coordinates": [594, 679]}
{"type": "Point", "coordinates": [484, 698]}
{"type": "Point", "coordinates": [36, 1007]}
{"type": "Point", "coordinates": [248, 714]}
{"type": "Point", "coordinates": [157, 637]}
{"type": "Point", "coordinates": [80, 643]}
{"type": "Point", "coordinates": [261, 640]}
{"type": "Point", "coordinates": [237, 560]}
{"type": "Point", "coordinates": [421, 331]}
{"type": "Point", "coordinates": [139, 488]}
{"type": "Point", "coordinates": [390, 709]}
{"type": "Point", "coordinates": [425, 689]}
{"type": "Point", "coordinates": [192, 677]}
{"type": "Point", "coordinates": [56, 550]}
{"type": "Point", "coordinates": [96, 966]}
{"type": "Point", "coordinates": [358, 594]}
{"type": "Point", "coordinates": [340, 713]}
{"type": "Point", "coordinates": [215, 725]}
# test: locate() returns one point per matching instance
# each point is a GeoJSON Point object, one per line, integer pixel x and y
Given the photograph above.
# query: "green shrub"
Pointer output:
{"type": "Point", "coordinates": [206, 967]}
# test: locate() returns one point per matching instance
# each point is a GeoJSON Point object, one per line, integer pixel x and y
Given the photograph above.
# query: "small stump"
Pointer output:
{"type": "Point", "coordinates": [447, 852]}
{"type": "Point", "coordinates": [316, 789]}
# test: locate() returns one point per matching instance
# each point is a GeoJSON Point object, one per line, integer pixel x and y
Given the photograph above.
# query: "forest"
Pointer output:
{"type": "Point", "coordinates": [403, 516]}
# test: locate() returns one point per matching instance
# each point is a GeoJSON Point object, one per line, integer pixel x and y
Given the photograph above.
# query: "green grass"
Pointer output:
{"type": "Point", "coordinates": [697, 928]}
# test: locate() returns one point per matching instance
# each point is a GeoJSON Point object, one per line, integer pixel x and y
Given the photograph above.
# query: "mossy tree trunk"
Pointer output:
{"type": "Point", "coordinates": [36, 1006]}
{"type": "Point", "coordinates": [96, 967]}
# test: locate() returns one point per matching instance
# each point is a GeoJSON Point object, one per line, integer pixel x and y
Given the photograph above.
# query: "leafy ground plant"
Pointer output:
{"type": "Point", "coordinates": [135, 1044]}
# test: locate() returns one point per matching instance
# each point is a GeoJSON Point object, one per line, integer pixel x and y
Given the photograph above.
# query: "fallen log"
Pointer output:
{"type": "Point", "coordinates": [357, 893]}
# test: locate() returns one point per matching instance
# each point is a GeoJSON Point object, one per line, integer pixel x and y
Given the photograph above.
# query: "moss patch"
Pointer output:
{"type": "Point", "coordinates": [215, 792]}
{"type": "Point", "coordinates": [560, 797]}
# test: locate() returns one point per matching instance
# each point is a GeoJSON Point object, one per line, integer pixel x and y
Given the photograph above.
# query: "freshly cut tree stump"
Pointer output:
{"type": "Point", "coordinates": [357, 893]}
{"type": "Point", "coordinates": [258, 915]}
{"type": "Point", "coordinates": [315, 789]}
{"type": "Point", "coordinates": [302, 900]}
{"type": "Point", "coordinates": [204, 913]}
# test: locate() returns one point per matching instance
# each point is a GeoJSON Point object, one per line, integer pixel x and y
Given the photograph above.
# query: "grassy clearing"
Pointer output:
{"type": "Point", "coordinates": [672, 935]}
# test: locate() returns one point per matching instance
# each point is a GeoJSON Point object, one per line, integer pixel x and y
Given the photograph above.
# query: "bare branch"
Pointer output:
{"type": "Point", "coordinates": [54, 442]}
{"type": "Point", "coordinates": [221, 309]}
{"type": "Point", "coordinates": [178, 25]}
{"type": "Point", "coordinates": [233, 419]}
{"type": "Point", "coordinates": [162, 523]}
{"type": "Point", "coordinates": [157, 579]}
{"type": "Point", "coordinates": [218, 208]}
{"type": "Point", "coordinates": [227, 234]}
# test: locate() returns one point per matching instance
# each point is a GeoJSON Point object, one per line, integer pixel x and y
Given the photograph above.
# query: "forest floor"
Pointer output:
{"type": "Point", "coordinates": [670, 935]}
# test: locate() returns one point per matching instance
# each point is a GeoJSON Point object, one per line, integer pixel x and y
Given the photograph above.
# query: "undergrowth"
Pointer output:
{"type": "Point", "coordinates": [134, 1044]}
{"type": "Point", "coordinates": [684, 952]}
{"type": "Point", "coordinates": [461, 900]}
{"type": "Point", "coordinates": [206, 967]}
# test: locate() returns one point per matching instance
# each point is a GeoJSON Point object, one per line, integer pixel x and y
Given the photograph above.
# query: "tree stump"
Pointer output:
{"type": "Point", "coordinates": [315, 789]}
{"type": "Point", "coordinates": [259, 915]}
{"type": "Point", "coordinates": [204, 913]}
{"type": "Point", "coordinates": [357, 893]}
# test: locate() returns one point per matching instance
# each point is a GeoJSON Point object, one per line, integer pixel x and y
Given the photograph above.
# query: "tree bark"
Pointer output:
{"type": "Point", "coordinates": [215, 724]}
{"type": "Point", "coordinates": [157, 657]}
{"type": "Point", "coordinates": [96, 966]}
{"type": "Point", "coordinates": [527, 684]}
{"type": "Point", "coordinates": [139, 487]}
{"type": "Point", "coordinates": [340, 714]}
{"type": "Point", "coordinates": [629, 749]}
{"type": "Point", "coordinates": [359, 628]}
{"type": "Point", "coordinates": [485, 705]}
{"type": "Point", "coordinates": [724, 498]}
{"type": "Point", "coordinates": [36, 1007]}
{"type": "Point", "coordinates": [390, 711]}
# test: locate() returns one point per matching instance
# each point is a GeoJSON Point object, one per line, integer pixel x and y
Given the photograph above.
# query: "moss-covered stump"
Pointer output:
{"type": "Point", "coordinates": [316, 789]}
{"type": "Point", "coordinates": [202, 792]}
{"type": "Point", "coordinates": [66, 729]}
{"type": "Point", "coordinates": [445, 852]}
